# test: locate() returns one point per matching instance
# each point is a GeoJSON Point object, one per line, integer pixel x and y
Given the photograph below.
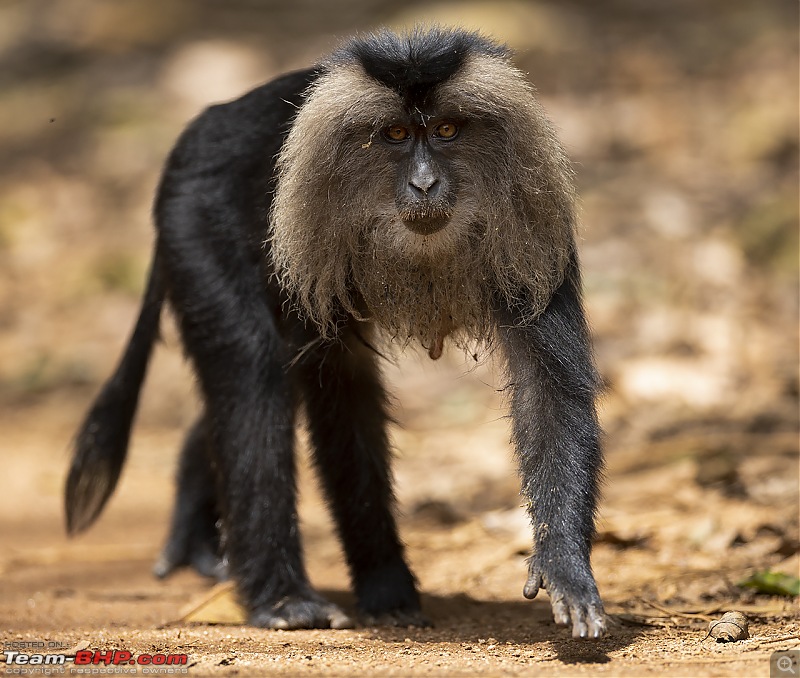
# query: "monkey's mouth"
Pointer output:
{"type": "Point", "coordinates": [425, 222]}
{"type": "Point", "coordinates": [426, 225]}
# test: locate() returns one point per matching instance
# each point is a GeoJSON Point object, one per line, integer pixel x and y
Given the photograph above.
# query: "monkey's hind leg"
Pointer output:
{"type": "Point", "coordinates": [194, 539]}
{"type": "Point", "coordinates": [346, 408]}
{"type": "Point", "coordinates": [229, 332]}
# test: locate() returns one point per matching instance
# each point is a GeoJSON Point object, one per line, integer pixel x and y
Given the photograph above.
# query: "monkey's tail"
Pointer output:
{"type": "Point", "coordinates": [101, 444]}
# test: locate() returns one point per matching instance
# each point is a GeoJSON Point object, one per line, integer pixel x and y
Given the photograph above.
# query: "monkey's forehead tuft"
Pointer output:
{"type": "Point", "coordinates": [413, 63]}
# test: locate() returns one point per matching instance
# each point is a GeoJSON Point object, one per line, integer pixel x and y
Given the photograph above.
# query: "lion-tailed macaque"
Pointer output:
{"type": "Point", "coordinates": [407, 189]}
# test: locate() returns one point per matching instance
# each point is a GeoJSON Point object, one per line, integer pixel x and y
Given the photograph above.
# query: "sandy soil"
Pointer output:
{"type": "Point", "coordinates": [668, 554]}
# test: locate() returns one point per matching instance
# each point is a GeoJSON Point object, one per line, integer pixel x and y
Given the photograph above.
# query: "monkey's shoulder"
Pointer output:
{"type": "Point", "coordinates": [250, 127]}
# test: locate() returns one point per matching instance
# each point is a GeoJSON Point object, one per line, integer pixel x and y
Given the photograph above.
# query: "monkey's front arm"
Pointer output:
{"type": "Point", "coordinates": [555, 430]}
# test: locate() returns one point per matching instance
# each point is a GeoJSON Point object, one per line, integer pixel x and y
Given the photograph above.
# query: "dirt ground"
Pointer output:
{"type": "Point", "coordinates": [669, 553]}
{"type": "Point", "coordinates": [682, 120]}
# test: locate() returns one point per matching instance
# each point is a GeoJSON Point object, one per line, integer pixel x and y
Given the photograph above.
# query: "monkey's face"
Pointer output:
{"type": "Point", "coordinates": [422, 153]}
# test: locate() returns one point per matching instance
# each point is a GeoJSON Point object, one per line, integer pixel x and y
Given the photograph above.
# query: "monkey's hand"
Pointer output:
{"type": "Point", "coordinates": [573, 596]}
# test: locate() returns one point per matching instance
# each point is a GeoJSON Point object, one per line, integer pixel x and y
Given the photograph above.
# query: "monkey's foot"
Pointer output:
{"type": "Point", "coordinates": [387, 596]}
{"type": "Point", "coordinates": [398, 618]}
{"type": "Point", "coordinates": [308, 611]}
{"type": "Point", "coordinates": [575, 602]}
{"type": "Point", "coordinates": [201, 556]}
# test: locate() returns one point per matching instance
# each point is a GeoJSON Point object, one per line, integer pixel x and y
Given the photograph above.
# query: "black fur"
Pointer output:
{"type": "Point", "coordinates": [256, 361]}
{"type": "Point", "coordinates": [413, 63]}
{"type": "Point", "coordinates": [557, 438]}
{"type": "Point", "coordinates": [194, 536]}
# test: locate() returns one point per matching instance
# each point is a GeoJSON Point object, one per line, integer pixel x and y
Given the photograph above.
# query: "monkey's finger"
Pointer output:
{"type": "Point", "coordinates": [532, 586]}
{"type": "Point", "coordinates": [561, 613]}
{"type": "Point", "coordinates": [587, 622]}
{"type": "Point", "coordinates": [596, 621]}
{"type": "Point", "coordinates": [579, 628]}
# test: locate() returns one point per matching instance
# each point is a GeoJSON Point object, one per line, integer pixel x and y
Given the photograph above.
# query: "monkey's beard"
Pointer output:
{"type": "Point", "coordinates": [412, 286]}
{"type": "Point", "coordinates": [424, 287]}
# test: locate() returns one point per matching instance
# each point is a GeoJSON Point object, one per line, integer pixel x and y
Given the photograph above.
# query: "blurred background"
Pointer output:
{"type": "Point", "coordinates": [681, 118]}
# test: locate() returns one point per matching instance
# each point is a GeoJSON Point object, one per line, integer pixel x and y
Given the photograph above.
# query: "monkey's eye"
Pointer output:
{"type": "Point", "coordinates": [396, 133]}
{"type": "Point", "coordinates": [446, 130]}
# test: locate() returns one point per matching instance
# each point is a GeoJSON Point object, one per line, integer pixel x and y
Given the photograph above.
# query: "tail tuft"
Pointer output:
{"type": "Point", "coordinates": [102, 441]}
{"type": "Point", "coordinates": [100, 449]}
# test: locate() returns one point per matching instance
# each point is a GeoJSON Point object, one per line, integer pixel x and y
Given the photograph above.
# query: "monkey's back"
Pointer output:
{"type": "Point", "coordinates": [218, 181]}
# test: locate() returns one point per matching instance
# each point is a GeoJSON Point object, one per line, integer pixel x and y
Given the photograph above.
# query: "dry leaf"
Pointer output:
{"type": "Point", "coordinates": [218, 606]}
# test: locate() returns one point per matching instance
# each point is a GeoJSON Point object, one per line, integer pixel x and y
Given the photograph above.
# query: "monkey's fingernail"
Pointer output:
{"type": "Point", "coordinates": [530, 590]}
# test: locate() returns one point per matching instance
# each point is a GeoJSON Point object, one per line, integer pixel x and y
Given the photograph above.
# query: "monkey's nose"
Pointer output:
{"type": "Point", "coordinates": [424, 186]}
